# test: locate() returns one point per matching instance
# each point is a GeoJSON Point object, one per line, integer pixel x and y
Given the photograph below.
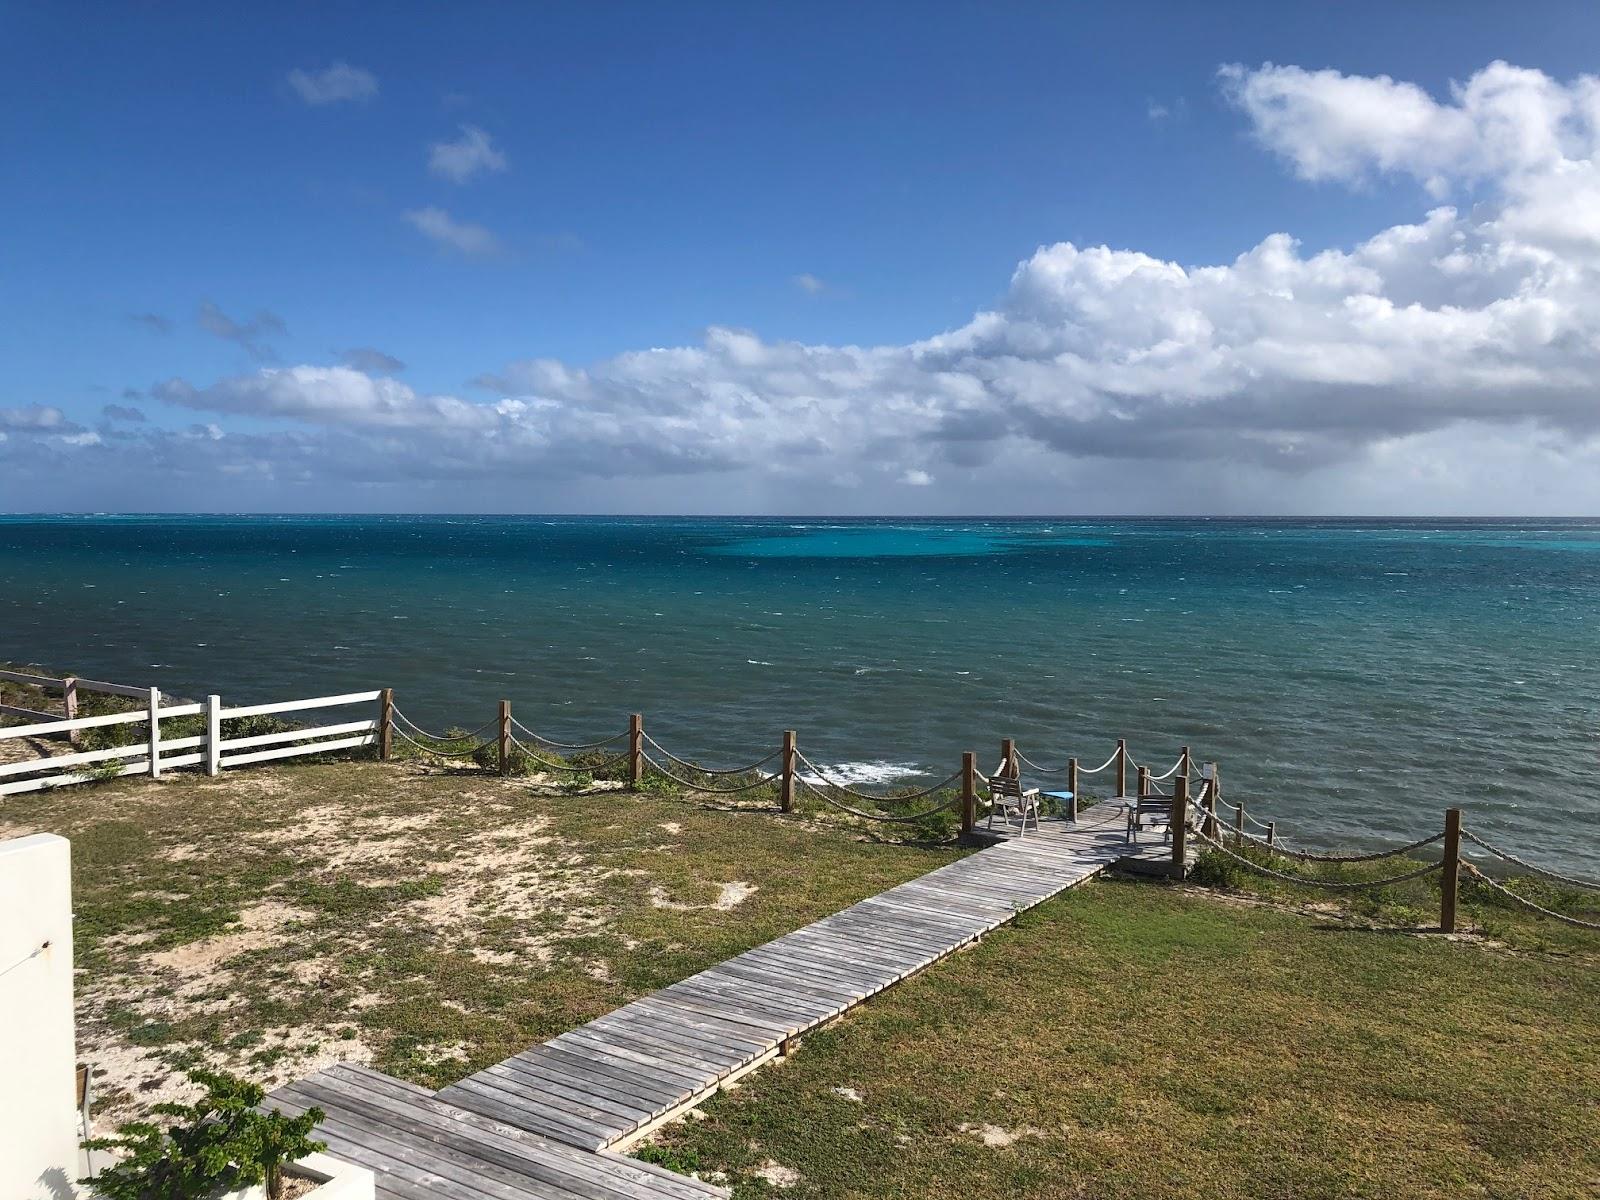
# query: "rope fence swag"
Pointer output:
{"type": "Point", "coordinates": [1199, 818]}
{"type": "Point", "coordinates": [1195, 798]}
{"type": "Point", "coordinates": [1193, 802]}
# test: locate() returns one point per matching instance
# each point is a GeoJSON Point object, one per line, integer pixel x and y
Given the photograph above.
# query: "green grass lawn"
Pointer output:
{"type": "Point", "coordinates": [1139, 1040]}
{"type": "Point", "coordinates": [1128, 1039]}
{"type": "Point", "coordinates": [430, 922]}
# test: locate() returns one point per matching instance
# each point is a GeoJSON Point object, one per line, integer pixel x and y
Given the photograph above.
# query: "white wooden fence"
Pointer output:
{"type": "Point", "coordinates": [69, 686]}
{"type": "Point", "coordinates": [155, 754]}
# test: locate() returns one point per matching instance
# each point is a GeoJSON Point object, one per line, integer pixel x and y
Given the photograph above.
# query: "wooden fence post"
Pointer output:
{"type": "Point", "coordinates": [1272, 833]}
{"type": "Point", "coordinates": [385, 724]}
{"type": "Point", "coordinates": [1178, 820]}
{"type": "Point", "coordinates": [789, 759]}
{"type": "Point", "coordinates": [505, 737]}
{"type": "Point", "coordinates": [1008, 758]}
{"type": "Point", "coordinates": [1185, 762]}
{"type": "Point", "coordinates": [69, 704]}
{"type": "Point", "coordinates": [1238, 827]}
{"type": "Point", "coordinates": [155, 733]}
{"type": "Point", "coordinates": [1211, 809]}
{"type": "Point", "coordinates": [1144, 782]}
{"type": "Point", "coordinates": [969, 792]}
{"type": "Point", "coordinates": [1450, 877]}
{"type": "Point", "coordinates": [1072, 786]}
{"type": "Point", "coordinates": [635, 750]}
{"type": "Point", "coordinates": [1122, 768]}
{"type": "Point", "coordinates": [213, 735]}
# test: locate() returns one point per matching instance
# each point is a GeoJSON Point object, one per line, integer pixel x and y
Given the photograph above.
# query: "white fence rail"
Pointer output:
{"type": "Point", "coordinates": [69, 686]}
{"type": "Point", "coordinates": [155, 754]}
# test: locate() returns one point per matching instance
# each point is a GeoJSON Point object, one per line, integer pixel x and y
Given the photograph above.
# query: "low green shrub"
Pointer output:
{"type": "Point", "coordinates": [218, 1143]}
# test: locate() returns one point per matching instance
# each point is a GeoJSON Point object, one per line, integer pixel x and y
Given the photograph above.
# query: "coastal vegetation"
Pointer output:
{"type": "Point", "coordinates": [1138, 1040]}
{"type": "Point", "coordinates": [1237, 1035]}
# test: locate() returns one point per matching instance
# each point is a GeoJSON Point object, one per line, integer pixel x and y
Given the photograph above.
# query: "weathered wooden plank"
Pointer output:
{"type": "Point", "coordinates": [498, 1089]}
{"type": "Point", "coordinates": [895, 929]}
{"type": "Point", "coordinates": [603, 1070]}
{"type": "Point", "coordinates": [668, 1044]}
{"type": "Point", "coordinates": [590, 1077]}
{"type": "Point", "coordinates": [587, 1072]}
{"type": "Point", "coordinates": [449, 1163]}
{"type": "Point", "coordinates": [650, 1063]}
{"type": "Point", "coordinates": [371, 1143]}
{"type": "Point", "coordinates": [784, 955]}
{"type": "Point", "coordinates": [721, 1003]}
{"type": "Point", "coordinates": [814, 971]}
{"type": "Point", "coordinates": [749, 984]}
{"type": "Point", "coordinates": [839, 950]}
{"type": "Point", "coordinates": [752, 979]}
{"type": "Point", "coordinates": [709, 1023]}
{"type": "Point", "coordinates": [607, 1106]}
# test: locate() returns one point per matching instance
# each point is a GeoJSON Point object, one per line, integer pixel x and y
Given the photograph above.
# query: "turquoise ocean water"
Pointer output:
{"type": "Point", "coordinates": [1354, 678]}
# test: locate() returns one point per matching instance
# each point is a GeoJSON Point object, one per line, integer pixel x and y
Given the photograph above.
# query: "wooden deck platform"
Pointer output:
{"type": "Point", "coordinates": [543, 1123]}
{"type": "Point", "coordinates": [420, 1148]}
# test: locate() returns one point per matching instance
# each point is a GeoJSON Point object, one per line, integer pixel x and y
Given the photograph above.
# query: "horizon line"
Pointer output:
{"type": "Point", "coordinates": [804, 516]}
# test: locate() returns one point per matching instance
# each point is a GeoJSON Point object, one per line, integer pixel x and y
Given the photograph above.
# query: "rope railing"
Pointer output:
{"type": "Point", "coordinates": [1507, 856]}
{"type": "Point", "coordinates": [1308, 856]}
{"type": "Point", "coordinates": [1045, 770]}
{"type": "Point", "coordinates": [555, 745]}
{"type": "Point", "coordinates": [1101, 767]}
{"type": "Point", "coordinates": [1523, 901]}
{"type": "Point", "coordinates": [1326, 884]}
{"type": "Point", "coordinates": [1451, 864]}
{"type": "Point", "coordinates": [850, 791]}
{"type": "Point", "coordinates": [1168, 773]}
{"type": "Point", "coordinates": [441, 737]}
{"type": "Point", "coordinates": [893, 818]}
{"type": "Point", "coordinates": [568, 767]}
{"type": "Point", "coordinates": [701, 787]}
{"type": "Point", "coordinates": [435, 751]}
{"type": "Point", "coordinates": [694, 766]}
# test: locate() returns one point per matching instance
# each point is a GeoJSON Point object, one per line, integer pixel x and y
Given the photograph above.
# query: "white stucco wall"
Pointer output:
{"type": "Point", "coordinates": [38, 1095]}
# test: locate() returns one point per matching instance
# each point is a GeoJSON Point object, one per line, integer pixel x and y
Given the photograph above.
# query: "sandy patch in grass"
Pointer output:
{"type": "Point", "coordinates": [259, 927]}
{"type": "Point", "coordinates": [997, 1138]}
{"type": "Point", "coordinates": [127, 1079]}
{"type": "Point", "coordinates": [729, 897]}
{"type": "Point", "coordinates": [778, 1175]}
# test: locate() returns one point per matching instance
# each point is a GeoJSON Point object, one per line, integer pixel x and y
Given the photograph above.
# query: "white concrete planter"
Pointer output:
{"type": "Point", "coordinates": [336, 1180]}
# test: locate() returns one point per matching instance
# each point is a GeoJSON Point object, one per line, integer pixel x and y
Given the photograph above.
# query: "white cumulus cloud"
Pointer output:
{"type": "Point", "coordinates": [463, 237]}
{"type": "Point", "coordinates": [334, 83]}
{"type": "Point", "coordinates": [1448, 362]}
{"type": "Point", "coordinates": [473, 153]}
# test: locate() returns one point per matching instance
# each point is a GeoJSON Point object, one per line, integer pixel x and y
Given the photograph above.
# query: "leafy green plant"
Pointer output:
{"type": "Point", "coordinates": [684, 1162]}
{"type": "Point", "coordinates": [220, 1142]}
{"type": "Point", "coordinates": [1213, 869]}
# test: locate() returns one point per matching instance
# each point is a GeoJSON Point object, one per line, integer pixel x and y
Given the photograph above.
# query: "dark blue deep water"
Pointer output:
{"type": "Point", "coordinates": [1354, 677]}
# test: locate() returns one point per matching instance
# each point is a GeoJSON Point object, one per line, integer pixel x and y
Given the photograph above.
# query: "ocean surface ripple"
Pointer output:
{"type": "Point", "coordinates": [1354, 677]}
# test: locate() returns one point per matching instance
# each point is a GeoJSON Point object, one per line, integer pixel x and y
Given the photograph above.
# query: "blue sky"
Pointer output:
{"type": "Point", "coordinates": [185, 226]}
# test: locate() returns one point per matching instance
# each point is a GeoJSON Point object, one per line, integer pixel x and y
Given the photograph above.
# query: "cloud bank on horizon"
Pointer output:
{"type": "Point", "coordinates": [1446, 364]}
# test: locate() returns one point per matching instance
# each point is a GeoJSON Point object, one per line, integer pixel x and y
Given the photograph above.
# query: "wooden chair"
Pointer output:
{"type": "Point", "coordinates": [1155, 806]}
{"type": "Point", "coordinates": [1009, 799]}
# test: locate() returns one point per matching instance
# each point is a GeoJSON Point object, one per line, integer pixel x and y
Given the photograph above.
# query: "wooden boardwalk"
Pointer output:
{"type": "Point", "coordinates": [544, 1122]}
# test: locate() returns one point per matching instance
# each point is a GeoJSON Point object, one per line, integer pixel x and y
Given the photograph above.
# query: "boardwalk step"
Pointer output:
{"type": "Point", "coordinates": [419, 1145]}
